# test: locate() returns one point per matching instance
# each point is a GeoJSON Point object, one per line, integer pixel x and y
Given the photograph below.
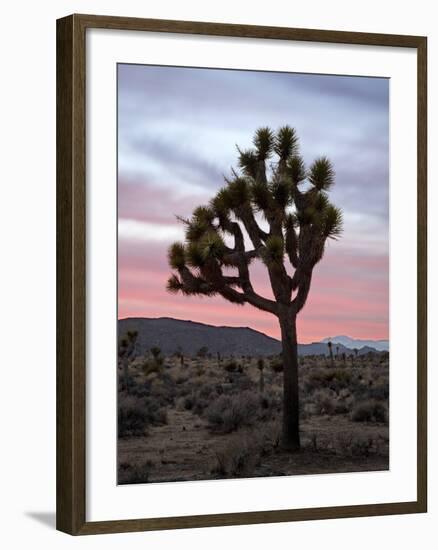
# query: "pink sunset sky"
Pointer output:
{"type": "Point", "coordinates": [177, 131]}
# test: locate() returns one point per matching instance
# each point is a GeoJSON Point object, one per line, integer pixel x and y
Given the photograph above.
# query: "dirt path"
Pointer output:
{"type": "Point", "coordinates": [185, 439]}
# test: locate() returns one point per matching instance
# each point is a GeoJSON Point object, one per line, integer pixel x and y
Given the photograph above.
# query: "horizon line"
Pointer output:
{"type": "Point", "coordinates": [250, 328]}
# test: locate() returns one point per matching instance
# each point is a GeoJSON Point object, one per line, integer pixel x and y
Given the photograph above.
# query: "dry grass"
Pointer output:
{"type": "Point", "coordinates": [210, 417]}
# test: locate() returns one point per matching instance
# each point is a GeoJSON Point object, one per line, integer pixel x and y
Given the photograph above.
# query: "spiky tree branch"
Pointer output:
{"type": "Point", "coordinates": [300, 222]}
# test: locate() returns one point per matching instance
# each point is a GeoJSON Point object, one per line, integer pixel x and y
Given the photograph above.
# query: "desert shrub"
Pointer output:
{"type": "Point", "coordinates": [229, 413]}
{"type": "Point", "coordinates": [182, 390]}
{"type": "Point", "coordinates": [159, 417]}
{"type": "Point", "coordinates": [341, 376]}
{"type": "Point", "coordinates": [206, 390]}
{"type": "Point", "coordinates": [132, 417]}
{"type": "Point", "coordinates": [150, 366]}
{"type": "Point", "coordinates": [141, 389]}
{"type": "Point", "coordinates": [197, 402]}
{"type": "Point", "coordinates": [334, 379]}
{"type": "Point", "coordinates": [179, 403]}
{"type": "Point", "coordinates": [351, 444]}
{"type": "Point", "coordinates": [269, 404]}
{"type": "Point", "coordinates": [267, 436]}
{"type": "Point", "coordinates": [200, 370]}
{"type": "Point", "coordinates": [243, 452]}
{"type": "Point", "coordinates": [181, 379]}
{"type": "Point", "coordinates": [369, 411]}
{"type": "Point", "coordinates": [231, 366]}
{"type": "Point", "coordinates": [125, 382]}
{"type": "Point", "coordinates": [135, 415]}
{"type": "Point", "coordinates": [134, 473]}
{"type": "Point", "coordinates": [200, 405]}
{"type": "Point", "coordinates": [188, 402]}
{"type": "Point", "coordinates": [311, 441]}
{"type": "Point", "coordinates": [276, 364]}
{"type": "Point", "coordinates": [324, 402]}
{"type": "Point", "coordinates": [240, 381]}
{"type": "Point", "coordinates": [378, 393]}
{"type": "Point", "coordinates": [313, 381]}
{"type": "Point", "coordinates": [342, 406]}
{"type": "Point", "coordinates": [362, 446]}
{"type": "Point", "coordinates": [163, 389]}
{"type": "Point", "coordinates": [237, 459]}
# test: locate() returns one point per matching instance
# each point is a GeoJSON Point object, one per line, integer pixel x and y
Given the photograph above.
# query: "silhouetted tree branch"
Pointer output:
{"type": "Point", "coordinates": [299, 223]}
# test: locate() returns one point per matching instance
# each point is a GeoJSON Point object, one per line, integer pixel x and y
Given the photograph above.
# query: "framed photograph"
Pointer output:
{"type": "Point", "coordinates": [241, 274]}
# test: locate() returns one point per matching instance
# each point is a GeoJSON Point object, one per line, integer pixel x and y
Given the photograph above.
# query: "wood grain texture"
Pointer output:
{"type": "Point", "coordinates": [71, 269]}
{"type": "Point", "coordinates": [71, 231]}
{"type": "Point", "coordinates": [422, 274]}
{"type": "Point", "coordinates": [248, 31]}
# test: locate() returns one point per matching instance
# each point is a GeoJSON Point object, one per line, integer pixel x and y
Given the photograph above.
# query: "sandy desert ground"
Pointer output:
{"type": "Point", "coordinates": [219, 417]}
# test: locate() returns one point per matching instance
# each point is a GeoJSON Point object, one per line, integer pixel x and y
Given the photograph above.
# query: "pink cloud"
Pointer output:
{"type": "Point", "coordinates": [349, 295]}
{"type": "Point", "coordinates": [140, 200]}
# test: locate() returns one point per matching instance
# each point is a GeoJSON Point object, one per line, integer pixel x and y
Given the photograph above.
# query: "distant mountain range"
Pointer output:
{"type": "Point", "coordinates": [171, 335]}
{"type": "Point", "coordinates": [379, 345]}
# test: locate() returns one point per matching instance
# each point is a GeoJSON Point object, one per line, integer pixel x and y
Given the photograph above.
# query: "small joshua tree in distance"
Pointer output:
{"type": "Point", "coordinates": [202, 352]}
{"type": "Point", "coordinates": [356, 351]}
{"type": "Point", "coordinates": [330, 347]}
{"type": "Point", "coordinates": [126, 353]}
{"type": "Point", "coordinates": [156, 352]}
{"type": "Point", "coordinates": [297, 223]}
{"type": "Point", "coordinates": [261, 367]}
{"type": "Point", "coordinates": [180, 355]}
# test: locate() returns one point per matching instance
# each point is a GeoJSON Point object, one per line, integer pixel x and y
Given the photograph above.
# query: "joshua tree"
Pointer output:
{"type": "Point", "coordinates": [156, 351]}
{"type": "Point", "coordinates": [263, 205]}
{"type": "Point", "coordinates": [261, 367]}
{"type": "Point", "coordinates": [356, 351]}
{"type": "Point", "coordinates": [155, 364]}
{"type": "Point", "coordinates": [126, 353]}
{"type": "Point", "coordinates": [330, 347]}
{"type": "Point", "coordinates": [202, 352]}
{"type": "Point", "coordinates": [180, 355]}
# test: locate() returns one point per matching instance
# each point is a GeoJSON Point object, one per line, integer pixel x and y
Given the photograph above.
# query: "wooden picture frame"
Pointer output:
{"type": "Point", "coordinates": [71, 273]}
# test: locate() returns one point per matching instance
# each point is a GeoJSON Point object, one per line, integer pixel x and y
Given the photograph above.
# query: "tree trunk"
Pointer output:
{"type": "Point", "coordinates": [291, 432]}
{"type": "Point", "coordinates": [332, 361]}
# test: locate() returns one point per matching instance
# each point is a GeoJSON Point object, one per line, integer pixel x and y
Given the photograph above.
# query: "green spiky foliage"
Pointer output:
{"type": "Point", "coordinates": [273, 251]}
{"type": "Point", "coordinates": [273, 189]}
{"type": "Point", "coordinates": [264, 143]}
{"type": "Point", "coordinates": [177, 255]}
{"type": "Point", "coordinates": [286, 143]}
{"type": "Point", "coordinates": [321, 174]}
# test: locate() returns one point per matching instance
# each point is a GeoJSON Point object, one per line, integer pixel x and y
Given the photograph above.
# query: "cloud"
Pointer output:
{"type": "Point", "coordinates": [177, 131]}
{"type": "Point", "coordinates": [142, 201]}
{"type": "Point", "coordinates": [348, 290]}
